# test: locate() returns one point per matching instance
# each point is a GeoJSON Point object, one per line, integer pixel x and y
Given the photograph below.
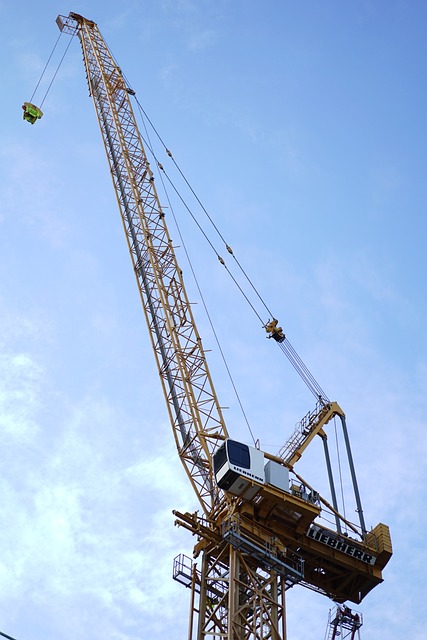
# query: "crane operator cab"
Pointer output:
{"type": "Point", "coordinates": [31, 112]}
{"type": "Point", "coordinates": [239, 469]}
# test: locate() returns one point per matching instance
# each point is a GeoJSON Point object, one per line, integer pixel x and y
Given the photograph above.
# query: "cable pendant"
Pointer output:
{"type": "Point", "coordinates": [56, 72]}
{"type": "Point", "coordinates": [302, 370]}
{"type": "Point", "coordinates": [277, 332]}
{"type": "Point", "coordinates": [307, 372]}
{"type": "Point", "coordinates": [46, 65]}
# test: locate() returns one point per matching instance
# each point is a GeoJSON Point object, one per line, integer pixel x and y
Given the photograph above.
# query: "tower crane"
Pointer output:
{"type": "Point", "coordinates": [257, 534]}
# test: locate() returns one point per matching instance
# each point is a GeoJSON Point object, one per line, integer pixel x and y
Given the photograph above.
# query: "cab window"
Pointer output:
{"type": "Point", "coordinates": [238, 454]}
{"type": "Point", "coordinates": [219, 458]}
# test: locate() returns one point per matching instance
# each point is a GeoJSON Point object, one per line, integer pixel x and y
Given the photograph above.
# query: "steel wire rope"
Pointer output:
{"type": "Point", "coordinates": [46, 65]}
{"type": "Point", "coordinates": [4, 635]}
{"type": "Point", "coordinates": [287, 348]}
{"type": "Point", "coordinates": [283, 345]}
{"type": "Point", "coordinates": [203, 232]}
{"type": "Point", "coordinates": [303, 371]}
{"type": "Point", "coordinates": [208, 315]}
{"type": "Point", "coordinates": [150, 147]}
{"type": "Point", "coordinates": [205, 210]}
{"type": "Point", "coordinates": [331, 521]}
{"type": "Point", "coordinates": [57, 69]}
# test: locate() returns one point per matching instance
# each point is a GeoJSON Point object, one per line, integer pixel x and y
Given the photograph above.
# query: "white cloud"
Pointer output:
{"type": "Point", "coordinates": [20, 389]}
{"type": "Point", "coordinates": [89, 474]}
{"type": "Point", "coordinates": [87, 522]}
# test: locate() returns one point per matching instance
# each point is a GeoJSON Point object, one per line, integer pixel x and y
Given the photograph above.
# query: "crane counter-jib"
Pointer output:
{"type": "Point", "coordinates": [258, 535]}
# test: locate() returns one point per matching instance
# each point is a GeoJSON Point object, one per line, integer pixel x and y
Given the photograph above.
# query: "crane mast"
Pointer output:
{"type": "Point", "coordinates": [256, 535]}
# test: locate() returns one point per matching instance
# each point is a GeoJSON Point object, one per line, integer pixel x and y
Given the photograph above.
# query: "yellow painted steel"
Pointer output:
{"type": "Point", "coordinates": [309, 427]}
{"type": "Point", "coordinates": [191, 400]}
{"type": "Point", "coordinates": [251, 550]}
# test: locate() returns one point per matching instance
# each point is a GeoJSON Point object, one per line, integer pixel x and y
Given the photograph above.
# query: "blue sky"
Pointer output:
{"type": "Point", "coordinates": [301, 126]}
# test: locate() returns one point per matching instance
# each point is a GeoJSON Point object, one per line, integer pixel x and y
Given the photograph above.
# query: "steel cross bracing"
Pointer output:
{"type": "Point", "coordinates": [233, 596]}
{"type": "Point", "coordinates": [343, 624]}
{"type": "Point", "coordinates": [236, 595]}
{"type": "Point", "coordinates": [252, 549]}
{"type": "Point", "coordinates": [238, 599]}
{"type": "Point", "coordinates": [191, 399]}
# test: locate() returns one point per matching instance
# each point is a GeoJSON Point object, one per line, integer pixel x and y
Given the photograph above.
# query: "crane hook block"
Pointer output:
{"type": "Point", "coordinates": [274, 331]}
{"type": "Point", "coordinates": [31, 112]}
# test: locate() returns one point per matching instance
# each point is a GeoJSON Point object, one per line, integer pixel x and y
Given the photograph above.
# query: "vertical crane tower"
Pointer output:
{"type": "Point", "coordinates": [256, 534]}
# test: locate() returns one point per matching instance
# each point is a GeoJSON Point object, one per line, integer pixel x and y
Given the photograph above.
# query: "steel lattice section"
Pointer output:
{"type": "Point", "coordinates": [193, 407]}
{"type": "Point", "coordinates": [233, 598]}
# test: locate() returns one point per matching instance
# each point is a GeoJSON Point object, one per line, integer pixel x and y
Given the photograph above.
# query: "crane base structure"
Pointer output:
{"type": "Point", "coordinates": [239, 590]}
{"type": "Point", "coordinates": [251, 555]}
{"type": "Point", "coordinates": [257, 534]}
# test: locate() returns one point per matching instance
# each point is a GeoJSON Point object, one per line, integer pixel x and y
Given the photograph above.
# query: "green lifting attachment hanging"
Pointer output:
{"type": "Point", "coordinates": [31, 112]}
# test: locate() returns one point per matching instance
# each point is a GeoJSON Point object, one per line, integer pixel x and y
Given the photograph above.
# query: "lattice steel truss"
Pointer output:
{"type": "Point", "coordinates": [193, 407]}
{"type": "Point", "coordinates": [251, 552]}
{"type": "Point", "coordinates": [232, 596]}
{"type": "Point", "coordinates": [238, 599]}
{"type": "Point", "coordinates": [343, 624]}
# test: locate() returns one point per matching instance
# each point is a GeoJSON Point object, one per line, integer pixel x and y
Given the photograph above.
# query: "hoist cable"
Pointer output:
{"type": "Point", "coordinates": [305, 372]}
{"type": "Point", "coordinates": [285, 345]}
{"type": "Point", "coordinates": [4, 635]}
{"type": "Point", "coordinates": [253, 286]}
{"type": "Point", "coordinates": [57, 69]}
{"type": "Point", "coordinates": [244, 295]}
{"type": "Point", "coordinates": [297, 368]}
{"type": "Point", "coordinates": [205, 211]}
{"type": "Point", "coordinates": [178, 168]}
{"type": "Point", "coordinates": [46, 65]}
{"type": "Point", "coordinates": [197, 223]}
{"type": "Point", "coordinates": [201, 294]}
{"type": "Point", "coordinates": [203, 232]}
{"type": "Point", "coordinates": [221, 260]}
{"type": "Point", "coordinates": [221, 236]}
